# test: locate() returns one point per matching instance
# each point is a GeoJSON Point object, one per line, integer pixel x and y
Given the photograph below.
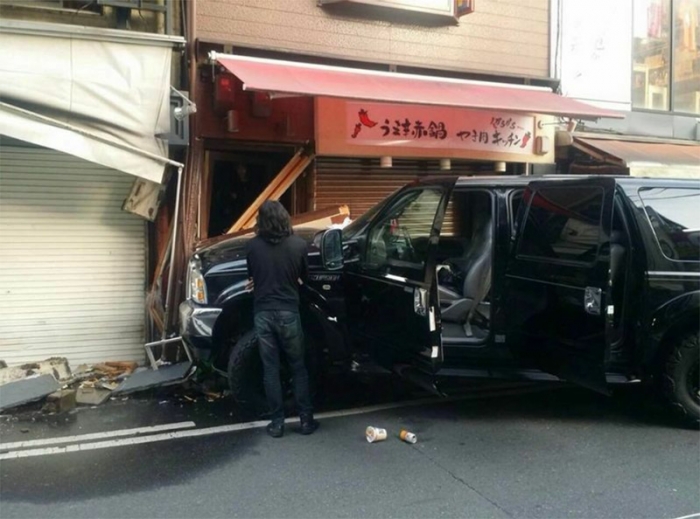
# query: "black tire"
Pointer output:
{"type": "Point", "coordinates": [681, 378]}
{"type": "Point", "coordinates": [245, 376]}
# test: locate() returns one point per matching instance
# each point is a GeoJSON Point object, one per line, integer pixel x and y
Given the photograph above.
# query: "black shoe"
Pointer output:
{"type": "Point", "coordinates": [276, 430]}
{"type": "Point", "coordinates": [308, 424]}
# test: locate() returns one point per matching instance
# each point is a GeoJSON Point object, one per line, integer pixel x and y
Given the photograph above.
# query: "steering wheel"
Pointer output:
{"type": "Point", "coordinates": [410, 250]}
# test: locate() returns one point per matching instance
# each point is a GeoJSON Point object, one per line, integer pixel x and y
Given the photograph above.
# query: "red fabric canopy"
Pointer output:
{"type": "Point", "coordinates": [292, 78]}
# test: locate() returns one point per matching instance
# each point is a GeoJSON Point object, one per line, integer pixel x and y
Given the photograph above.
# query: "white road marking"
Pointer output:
{"type": "Point", "coordinates": [96, 436]}
{"type": "Point", "coordinates": [245, 426]}
{"type": "Point", "coordinates": [689, 516]}
{"type": "Point", "coordinates": [129, 441]}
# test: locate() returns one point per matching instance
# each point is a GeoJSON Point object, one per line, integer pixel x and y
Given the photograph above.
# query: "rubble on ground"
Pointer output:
{"type": "Point", "coordinates": [55, 366]}
{"type": "Point", "coordinates": [61, 389]}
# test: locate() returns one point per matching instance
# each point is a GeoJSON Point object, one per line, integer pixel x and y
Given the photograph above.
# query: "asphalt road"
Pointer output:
{"type": "Point", "coordinates": [552, 454]}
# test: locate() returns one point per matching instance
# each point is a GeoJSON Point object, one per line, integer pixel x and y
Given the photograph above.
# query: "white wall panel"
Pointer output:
{"type": "Point", "coordinates": [72, 263]}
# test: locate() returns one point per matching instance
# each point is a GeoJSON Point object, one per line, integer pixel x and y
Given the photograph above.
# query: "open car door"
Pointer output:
{"type": "Point", "coordinates": [557, 279]}
{"type": "Point", "coordinates": [390, 284]}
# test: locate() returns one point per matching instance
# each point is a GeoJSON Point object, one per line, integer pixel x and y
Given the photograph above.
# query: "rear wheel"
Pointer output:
{"type": "Point", "coordinates": [245, 375]}
{"type": "Point", "coordinates": [681, 380]}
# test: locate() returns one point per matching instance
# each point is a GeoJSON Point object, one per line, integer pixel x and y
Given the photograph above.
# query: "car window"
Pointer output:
{"type": "Point", "coordinates": [351, 230]}
{"type": "Point", "coordinates": [674, 214]}
{"type": "Point", "coordinates": [563, 223]}
{"type": "Point", "coordinates": [398, 242]}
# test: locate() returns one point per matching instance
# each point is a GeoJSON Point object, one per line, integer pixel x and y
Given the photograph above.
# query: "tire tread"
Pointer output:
{"type": "Point", "coordinates": [687, 347]}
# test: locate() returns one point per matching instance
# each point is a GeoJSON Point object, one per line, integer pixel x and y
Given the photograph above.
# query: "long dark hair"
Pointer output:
{"type": "Point", "coordinates": [274, 223]}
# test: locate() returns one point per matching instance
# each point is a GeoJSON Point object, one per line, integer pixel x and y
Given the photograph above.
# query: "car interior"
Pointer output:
{"type": "Point", "coordinates": [464, 259]}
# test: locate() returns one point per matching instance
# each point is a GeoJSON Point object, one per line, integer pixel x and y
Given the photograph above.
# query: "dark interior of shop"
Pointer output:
{"type": "Point", "coordinates": [237, 180]}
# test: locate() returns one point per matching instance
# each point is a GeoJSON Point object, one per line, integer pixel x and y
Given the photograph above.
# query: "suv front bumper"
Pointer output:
{"type": "Point", "coordinates": [197, 326]}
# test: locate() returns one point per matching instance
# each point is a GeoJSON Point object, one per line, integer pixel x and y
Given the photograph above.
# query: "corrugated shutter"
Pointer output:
{"type": "Point", "coordinates": [72, 263]}
{"type": "Point", "coordinates": [361, 183]}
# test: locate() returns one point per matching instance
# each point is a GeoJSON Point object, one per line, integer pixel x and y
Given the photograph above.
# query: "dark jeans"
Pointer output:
{"type": "Point", "coordinates": [281, 330]}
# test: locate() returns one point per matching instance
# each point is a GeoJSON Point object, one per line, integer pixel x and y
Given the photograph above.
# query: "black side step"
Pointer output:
{"type": "Point", "coordinates": [419, 378]}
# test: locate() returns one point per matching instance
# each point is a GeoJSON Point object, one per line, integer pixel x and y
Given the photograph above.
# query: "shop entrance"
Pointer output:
{"type": "Point", "coordinates": [236, 181]}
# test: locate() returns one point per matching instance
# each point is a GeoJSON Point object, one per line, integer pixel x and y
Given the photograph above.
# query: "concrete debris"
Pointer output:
{"type": "Point", "coordinates": [53, 380]}
{"type": "Point", "coordinates": [20, 392]}
{"type": "Point", "coordinates": [60, 401]}
{"type": "Point", "coordinates": [92, 396]}
{"type": "Point", "coordinates": [56, 367]}
{"type": "Point", "coordinates": [147, 378]}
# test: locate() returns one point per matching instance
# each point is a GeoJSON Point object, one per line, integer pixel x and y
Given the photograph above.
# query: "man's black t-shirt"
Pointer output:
{"type": "Point", "coordinates": [276, 269]}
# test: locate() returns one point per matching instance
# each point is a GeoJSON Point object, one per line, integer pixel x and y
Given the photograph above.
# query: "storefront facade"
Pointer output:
{"type": "Point", "coordinates": [641, 57]}
{"type": "Point", "coordinates": [375, 97]}
{"type": "Point", "coordinates": [84, 116]}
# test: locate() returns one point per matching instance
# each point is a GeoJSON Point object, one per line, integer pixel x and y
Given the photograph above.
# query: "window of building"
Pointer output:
{"type": "Point", "coordinates": [91, 6]}
{"type": "Point", "coordinates": [686, 56]}
{"type": "Point", "coordinates": [651, 54]}
{"type": "Point", "coordinates": [675, 217]}
{"type": "Point", "coordinates": [563, 224]}
{"type": "Point", "coordinates": [666, 55]}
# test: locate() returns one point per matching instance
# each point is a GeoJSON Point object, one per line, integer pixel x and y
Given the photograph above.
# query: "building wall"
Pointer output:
{"type": "Point", "coordinates": [502, 37]}
{"type": "Point", "coordinates": [592, 57]}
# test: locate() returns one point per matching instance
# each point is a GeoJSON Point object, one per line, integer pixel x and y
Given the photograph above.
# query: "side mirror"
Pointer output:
{"type": "Point", "coordinates": [332, 249]}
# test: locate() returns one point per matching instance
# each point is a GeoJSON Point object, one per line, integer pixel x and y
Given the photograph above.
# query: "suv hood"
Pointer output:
{"type": "Point", "coordinates": [231, 252]}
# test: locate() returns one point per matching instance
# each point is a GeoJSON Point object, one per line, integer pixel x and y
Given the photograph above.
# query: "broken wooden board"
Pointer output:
{"type": "Point", "coordinates": [274, 190]}
{"type": "Point", "coordinates": [320, 219]}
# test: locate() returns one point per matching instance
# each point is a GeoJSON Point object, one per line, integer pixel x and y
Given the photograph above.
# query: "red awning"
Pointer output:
{"type": "Point", "coordinates": [630, 152]}
{"type": "Point", "coordinates": [292, 78]}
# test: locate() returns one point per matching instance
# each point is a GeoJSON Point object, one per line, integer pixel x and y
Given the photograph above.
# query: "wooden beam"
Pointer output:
{"type": "Point", "coordinates": [321, 219]}
{"type": "Point", "coordinates": [274, 190]}
{"type": "Point", "coordinates": [285, 184]}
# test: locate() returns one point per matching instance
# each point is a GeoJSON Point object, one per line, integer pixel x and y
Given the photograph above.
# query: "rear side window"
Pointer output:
{"type": "Point", "coordinates": [563, 223]}
{"type": "Point", "coordinates": [674, 214]}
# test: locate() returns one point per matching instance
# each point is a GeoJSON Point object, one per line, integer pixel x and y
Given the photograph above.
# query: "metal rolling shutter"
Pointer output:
{"type": "Point", "coordinates": [361, 183]}
{"type": "Point", "coordinates": [72, 263]}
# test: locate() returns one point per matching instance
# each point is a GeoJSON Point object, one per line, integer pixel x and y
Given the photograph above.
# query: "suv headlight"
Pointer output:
{"type": "Point", "coordinates": [195, 282]}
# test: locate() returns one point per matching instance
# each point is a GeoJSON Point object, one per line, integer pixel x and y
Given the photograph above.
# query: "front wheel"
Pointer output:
{"type": "Point", "coordinates": [681, 380]}
{"type": "Point", "coordinates": [245, 375]}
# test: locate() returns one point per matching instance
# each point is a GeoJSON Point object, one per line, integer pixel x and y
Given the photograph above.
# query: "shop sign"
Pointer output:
{"type": "Point", "coordinates": [411, 126]}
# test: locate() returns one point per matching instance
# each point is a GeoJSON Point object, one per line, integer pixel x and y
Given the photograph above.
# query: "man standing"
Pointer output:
{"type": "Point", "coordinates": [277, 263]}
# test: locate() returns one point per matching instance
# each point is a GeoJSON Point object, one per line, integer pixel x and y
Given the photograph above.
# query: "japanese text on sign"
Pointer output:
{"type": "Point", "coordinates": [440, 127]}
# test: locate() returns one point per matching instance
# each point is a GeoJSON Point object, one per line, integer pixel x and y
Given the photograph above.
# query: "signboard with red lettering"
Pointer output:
{"type": "Point", "coordinates": [419, 126]}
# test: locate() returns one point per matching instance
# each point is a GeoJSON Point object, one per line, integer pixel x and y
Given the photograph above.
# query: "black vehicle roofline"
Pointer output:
{"type": "Point", "coordinates": [520, 180]}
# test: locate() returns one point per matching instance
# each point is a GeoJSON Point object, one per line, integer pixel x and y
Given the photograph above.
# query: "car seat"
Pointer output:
{"type": "Point", "coordinates": [477, 278]}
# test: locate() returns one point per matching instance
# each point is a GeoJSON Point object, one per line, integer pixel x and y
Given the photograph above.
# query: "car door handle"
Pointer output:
{"type": "Point", "coordinates": [592, 300]}
{"type": "Point", "coordinates": [420, 301]}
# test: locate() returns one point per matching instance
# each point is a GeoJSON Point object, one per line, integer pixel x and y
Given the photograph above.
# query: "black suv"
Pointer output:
{"type": "Point", "coordinates": [592, 280]}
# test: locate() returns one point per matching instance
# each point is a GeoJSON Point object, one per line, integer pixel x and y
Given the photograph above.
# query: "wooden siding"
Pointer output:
{"type": "Point", "coordinates": [501, 37]}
